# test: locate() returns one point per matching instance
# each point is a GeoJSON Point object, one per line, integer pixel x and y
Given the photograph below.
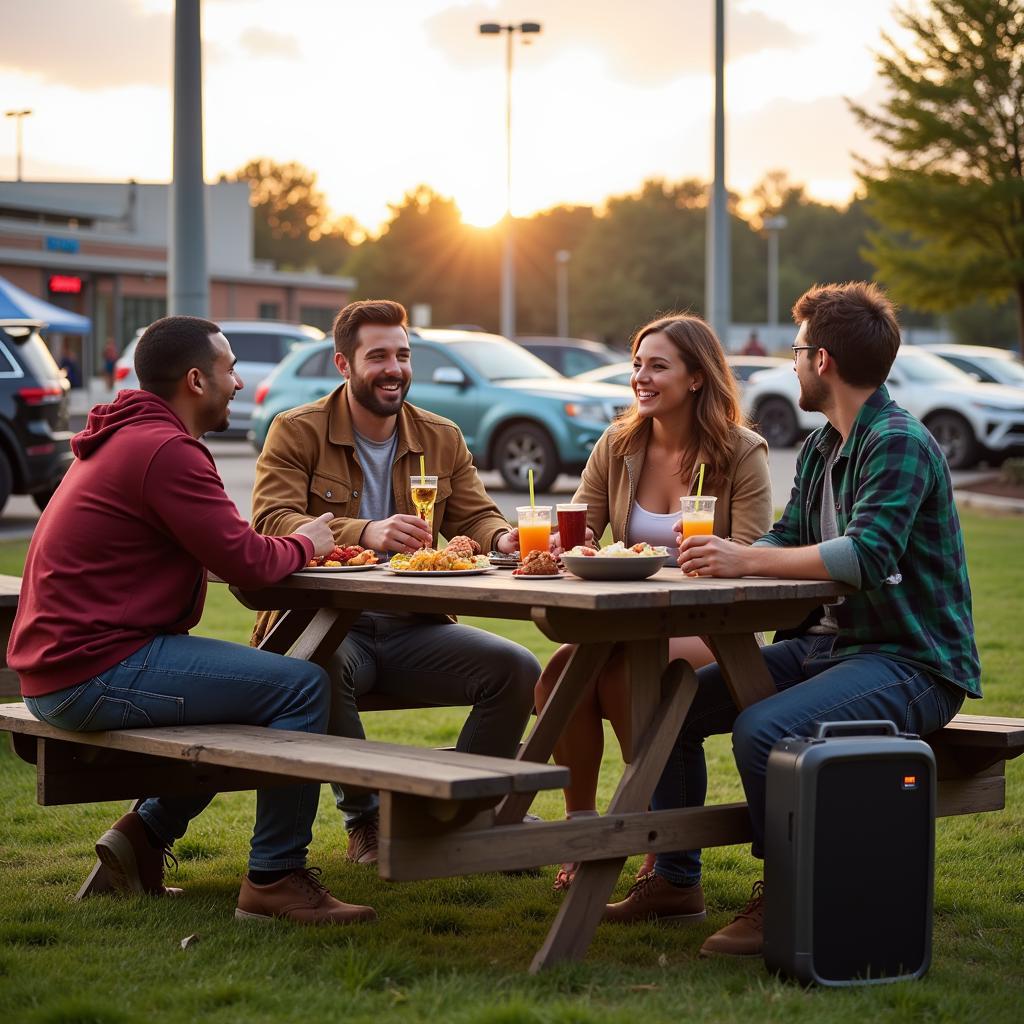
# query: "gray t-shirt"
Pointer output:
{"type": "Point", "coordinates": [829, 531]}
{"type": "Point", "coordinates": [376, 459]}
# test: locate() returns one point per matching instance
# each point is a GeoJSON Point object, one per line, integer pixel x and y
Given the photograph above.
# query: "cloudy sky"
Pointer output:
{"type": "Point", "coordinates": [380, 95]}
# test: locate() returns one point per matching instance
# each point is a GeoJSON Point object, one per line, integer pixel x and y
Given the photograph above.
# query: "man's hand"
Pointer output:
{"type": "Point", "coordinates": [713, 556]}
{"type": "Point", "coordinates": [399, 533]}
{"type": "Point", "coordinates": [319, 532]}
{"type": "Point", "coordinates": [507, 542]}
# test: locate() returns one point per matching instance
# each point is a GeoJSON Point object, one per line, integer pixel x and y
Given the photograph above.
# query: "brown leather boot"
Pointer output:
{"type": "Point", "coordinates": [654, 898]}
{"type": "Point", "coordinates": [362, 843]}
{"type": "Point", "coordinates": [134, 867]}
{"type": "Point", "coordinates": [744, 935]}
{"type": "Point", "coordinates": [300, 897]}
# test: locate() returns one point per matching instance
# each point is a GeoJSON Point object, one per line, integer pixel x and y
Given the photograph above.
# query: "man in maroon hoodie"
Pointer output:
{"type": "Point", "coordinates": [115, 578]}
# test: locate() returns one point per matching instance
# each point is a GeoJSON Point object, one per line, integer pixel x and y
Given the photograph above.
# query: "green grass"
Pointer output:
{"type": "Point", "coordinates": [458, 949]}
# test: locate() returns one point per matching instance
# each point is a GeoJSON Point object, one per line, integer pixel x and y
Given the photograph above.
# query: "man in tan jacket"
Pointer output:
{"type": "Point", "coordinates": [352, 454]}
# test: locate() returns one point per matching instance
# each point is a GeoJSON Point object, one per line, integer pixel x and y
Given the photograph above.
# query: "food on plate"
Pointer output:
{"type": "Point", "coordinates": [429, 560]}
{"type": "Point", "coordinates": [349, 554]}
{"type": "Point", "coordinates": [465, 546]}
{"type": "Point", "coordinates": [537, 563]}
{"type": "Point", "coordinates": [619, 550]}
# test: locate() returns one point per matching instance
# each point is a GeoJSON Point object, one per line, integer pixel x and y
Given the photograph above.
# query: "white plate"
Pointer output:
{"type": "Point", "coordinates": [438, 572]}
{"type": "Point", "coordinates": [550, 576]}
{"type": "Point", "coordinates": [340, 568]}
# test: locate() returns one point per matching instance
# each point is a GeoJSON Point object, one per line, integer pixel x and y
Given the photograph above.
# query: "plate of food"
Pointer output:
{"type": "Point", "coordinates": [615, 562]}
{"type": "Point", "coordinates": [343, 558]}
{"type": "Point", "coordinates": [460, 558]}
{"type": "Point", "coordinates": [538, 565]}
{"type": "Point", "coordinates": [502, 561]}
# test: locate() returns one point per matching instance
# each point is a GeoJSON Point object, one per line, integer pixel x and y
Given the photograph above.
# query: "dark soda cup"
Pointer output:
{"type": "Point", "coordinates": [572, 525]}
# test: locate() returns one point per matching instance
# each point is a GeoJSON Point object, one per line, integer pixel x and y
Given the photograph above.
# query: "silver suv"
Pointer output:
{"type": "Point", "coordinates": [259, 345]}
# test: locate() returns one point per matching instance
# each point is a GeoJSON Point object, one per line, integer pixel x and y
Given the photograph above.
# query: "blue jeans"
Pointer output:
{"type": "Point", "coordinates": [813, 687]}
{"type": "Point", "coordinates": [431, 661]}
{"type": "Point", "coordinates": [185, 680]}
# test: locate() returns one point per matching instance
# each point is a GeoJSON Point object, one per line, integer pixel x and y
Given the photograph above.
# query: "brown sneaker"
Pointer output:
{"type": "Point", "coordinates": [744, 935]}
{"type": "Point", "coordinates": [134, 867]}
{"type": "Point", "coordinates": [362, 843]}
{"type": "Point", "coordinates": [300, 897]}
{"type": "Point", "coordinates": [653, 898]}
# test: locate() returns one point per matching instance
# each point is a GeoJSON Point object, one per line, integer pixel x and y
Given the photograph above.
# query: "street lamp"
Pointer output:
{"type": "Point", "coordinates": [718, 287]}
{"type": "Point", "coordinates": [772, 227]}
{"type": "Point", "coordinates": [19, 116]}
{"type": "Point", "coordinates": [508, 268]}
{"type": "Point", "coordinates": [562, 258]}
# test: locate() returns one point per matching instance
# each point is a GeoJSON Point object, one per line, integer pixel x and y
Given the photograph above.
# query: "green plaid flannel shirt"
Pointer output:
{"type": "Point", "coordinates": [894, 501]}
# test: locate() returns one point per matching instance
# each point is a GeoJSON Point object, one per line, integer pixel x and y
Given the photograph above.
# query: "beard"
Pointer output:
{"type": "Point", "coordinates": [813, 394]}
{"type": "Point", "coordinates": [364, 392]}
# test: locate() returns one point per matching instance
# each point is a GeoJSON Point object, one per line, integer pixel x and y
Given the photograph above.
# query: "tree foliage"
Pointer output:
{"type": "Point", "coordinates": [949, 195]}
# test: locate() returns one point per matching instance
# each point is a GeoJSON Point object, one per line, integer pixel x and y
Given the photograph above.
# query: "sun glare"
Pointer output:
{"type": "Point", "coordinates": [480, 210]}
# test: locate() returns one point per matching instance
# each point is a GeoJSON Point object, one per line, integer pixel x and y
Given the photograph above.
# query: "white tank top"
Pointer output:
{"type": "Point", "coordinates": [653, 527]}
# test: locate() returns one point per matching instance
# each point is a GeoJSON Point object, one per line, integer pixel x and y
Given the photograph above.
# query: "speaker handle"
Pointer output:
{"type": "Point", "coordinates": [856, 728]}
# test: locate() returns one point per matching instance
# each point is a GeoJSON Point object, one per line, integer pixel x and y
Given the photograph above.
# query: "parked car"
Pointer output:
{"type": "Point", "coordinates": [970, 420]}
{"type": "Point", "coordinates": [571, 356]}
{"type": "Point", "coordinates": [743, 368]}
{"type": "Point", "coordinates": [989, 365]}
{"type": "Point", "coordinates": [259, 345]}
{"type": "Point", "coordinates": [35, 443]}
{"type": "Point", "coordinates": [514, 410]}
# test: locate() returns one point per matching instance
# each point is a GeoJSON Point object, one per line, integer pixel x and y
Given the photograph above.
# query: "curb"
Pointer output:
{"type": "Point", "coordinates": [989, 502]}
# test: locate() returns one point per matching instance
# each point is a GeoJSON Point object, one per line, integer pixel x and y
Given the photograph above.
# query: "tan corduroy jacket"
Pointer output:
{"type": "Point", "coordinates": [308, 466]}
{"type": "Point", "coordinates": [744, 491]}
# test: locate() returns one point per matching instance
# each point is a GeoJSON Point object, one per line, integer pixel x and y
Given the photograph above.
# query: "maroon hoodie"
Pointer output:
{"type": "Point", "coordinates": [121, 552]}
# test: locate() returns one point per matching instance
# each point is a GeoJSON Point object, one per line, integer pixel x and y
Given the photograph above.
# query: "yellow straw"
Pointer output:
{"type": "Point", "coordinates": [700, 480]}
{"type": "Point", "coordinates": [531, 489]}
{"type": "Point", "coordinates": [423, 472]}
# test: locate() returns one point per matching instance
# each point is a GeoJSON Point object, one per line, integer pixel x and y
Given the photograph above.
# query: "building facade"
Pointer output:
{"type": "Point", "coordinates": [100, 249]}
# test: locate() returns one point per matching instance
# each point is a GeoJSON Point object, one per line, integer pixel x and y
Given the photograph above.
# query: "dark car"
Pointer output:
{"type": "Point", "coordinates": [572, 356]}
{"type": "Point", "coordinates": [35, 443]}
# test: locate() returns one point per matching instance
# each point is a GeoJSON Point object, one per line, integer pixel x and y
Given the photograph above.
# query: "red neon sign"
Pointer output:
{"type": "Point", "coordinates": [65, 284]}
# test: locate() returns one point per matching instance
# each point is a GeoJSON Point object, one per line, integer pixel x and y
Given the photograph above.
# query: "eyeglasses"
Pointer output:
{"type": "Point", "coordinates": [802, 348]}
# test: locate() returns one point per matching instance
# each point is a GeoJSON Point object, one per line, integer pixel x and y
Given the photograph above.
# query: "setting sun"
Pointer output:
{"type": "Point", "coordinates": [480, 210]}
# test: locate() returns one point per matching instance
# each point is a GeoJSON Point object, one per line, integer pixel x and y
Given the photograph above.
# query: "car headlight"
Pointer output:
{"type": "Point", "coordinates": [993, 407]}
{"type": "Point", "coordinates": [594, 411]}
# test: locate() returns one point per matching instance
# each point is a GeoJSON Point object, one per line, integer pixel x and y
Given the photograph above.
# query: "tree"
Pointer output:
{"type": "Point", "coordinates": [949, 195]}
{"type": "Point", "coordinates": [292, 224]}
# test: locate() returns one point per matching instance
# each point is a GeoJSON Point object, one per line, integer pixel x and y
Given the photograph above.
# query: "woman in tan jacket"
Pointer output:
{"type": "Point", "coordinates": [687, 412]}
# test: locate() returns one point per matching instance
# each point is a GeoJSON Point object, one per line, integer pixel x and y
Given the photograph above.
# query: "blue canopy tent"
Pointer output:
{"type": "Point", "coordinates": [16, 304]}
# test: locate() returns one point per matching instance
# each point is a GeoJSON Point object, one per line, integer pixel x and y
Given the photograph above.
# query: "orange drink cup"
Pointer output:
{"type": "Point", "coordinates": [534, 523]}
{"type": "Point", "coordinates": [698, 516]}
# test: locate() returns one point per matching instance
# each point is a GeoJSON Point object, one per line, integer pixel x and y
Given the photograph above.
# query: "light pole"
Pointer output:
{"type": "Point", "coordinates": [562, 258]}
{"type": "Point", "coordinates": [508, 266]}
{"type": "Point", "coordinates": [772, 226]}
{"type": "Point", "coordinates": [717, 296]}
{"type": "Point", "coordinates": [19, 116]}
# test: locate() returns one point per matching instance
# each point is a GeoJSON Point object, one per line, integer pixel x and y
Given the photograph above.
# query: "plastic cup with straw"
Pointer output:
{"type": "Point", "coordinates": [698, 510]}
{"type": "Point", "coordinates": [534, 523]}
{"type": "Point", "coordinates": [424, 493]}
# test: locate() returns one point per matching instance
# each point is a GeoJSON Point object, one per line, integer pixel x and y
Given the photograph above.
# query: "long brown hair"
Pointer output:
{"type": "Point", "coordinates": [716, 411]}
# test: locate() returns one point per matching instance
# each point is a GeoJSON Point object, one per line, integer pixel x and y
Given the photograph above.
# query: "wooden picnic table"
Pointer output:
{"type": "Point", "coordinates": [320, 607]}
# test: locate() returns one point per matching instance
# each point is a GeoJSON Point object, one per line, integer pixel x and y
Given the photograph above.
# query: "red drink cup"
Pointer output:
{"type": "Point", "coordinates": [572, 525]}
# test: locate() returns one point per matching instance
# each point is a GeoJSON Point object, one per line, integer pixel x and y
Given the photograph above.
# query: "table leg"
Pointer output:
{"type": "Point", "coordinates": [583, 665]}
{"type": "Point", "coordinates": [743, 667]}
{"type": "Point", "coordinates": [660, 702]}
{"type": "Point", "coordinates": [287, 628]}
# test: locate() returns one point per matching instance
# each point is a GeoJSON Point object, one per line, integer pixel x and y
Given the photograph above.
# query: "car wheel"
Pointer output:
{"type": "Point", "coordinates": [42, 498]}
{"type": "Point", "coordinates": [776, 422]}
{"type": "Point", "coordinates": [956, 439]}
{"type": "Point", "coordinates": [522, 447]}
{"type": "Point", "coordinates": [6, 480]}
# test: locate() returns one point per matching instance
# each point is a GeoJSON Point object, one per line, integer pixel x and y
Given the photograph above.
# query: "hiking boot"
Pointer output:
{"type": "Point", "coordinates": [300, 897]}
{"type": "Point", "coordinates": [744, 935]}
{"type": "Point", "coordinates": [653, 898]}
{"type": "Point", "coordinates": [135, 867]}
{"type": "Point", "coordinates": [362, 843]}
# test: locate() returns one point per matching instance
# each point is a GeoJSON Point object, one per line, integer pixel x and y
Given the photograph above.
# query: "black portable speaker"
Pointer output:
{"type": "Point", "coordinates": [849, 855]}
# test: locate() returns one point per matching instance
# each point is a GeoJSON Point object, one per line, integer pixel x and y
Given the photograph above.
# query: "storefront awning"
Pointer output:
{"type": "Point", "coordinates": [17, 304]}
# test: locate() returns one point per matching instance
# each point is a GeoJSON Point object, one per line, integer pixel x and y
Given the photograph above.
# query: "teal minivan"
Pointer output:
{"type": "Point", "coordinates": [515, 411]}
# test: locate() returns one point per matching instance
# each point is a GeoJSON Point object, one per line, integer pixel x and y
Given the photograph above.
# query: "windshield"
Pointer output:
{"type": "Point", "coordinates": [1008, 371]}
{"type": "Point", "coordinates": [923, 368]}
{"type": "Point", "coordinates": [501, 360]}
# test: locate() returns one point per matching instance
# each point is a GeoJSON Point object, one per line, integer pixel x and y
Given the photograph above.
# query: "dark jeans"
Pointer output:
{"type": "Point", "coordinates": [432, 661]}
{"type": "Point", "coordinates": [813, 687]}
{"type": "Point", "coordinates": [185, 680]}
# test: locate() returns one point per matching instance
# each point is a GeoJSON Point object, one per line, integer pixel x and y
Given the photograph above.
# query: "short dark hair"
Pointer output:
{"type": "Point", "coordinates": [169, 348]}
{"type": "Point", "coordinates": [856, 324]}
{"type": "Point", "coordinates": [367, 311]}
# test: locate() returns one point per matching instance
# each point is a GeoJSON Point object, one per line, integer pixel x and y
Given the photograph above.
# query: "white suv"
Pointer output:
{"type": "Point", "coordinates": [970, 420]}
{"type": "Point", "coordinates": [259, 345]}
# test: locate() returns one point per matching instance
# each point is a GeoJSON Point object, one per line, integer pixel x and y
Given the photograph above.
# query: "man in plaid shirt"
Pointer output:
{"type": "Point", "coordinates": [872, 506]}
